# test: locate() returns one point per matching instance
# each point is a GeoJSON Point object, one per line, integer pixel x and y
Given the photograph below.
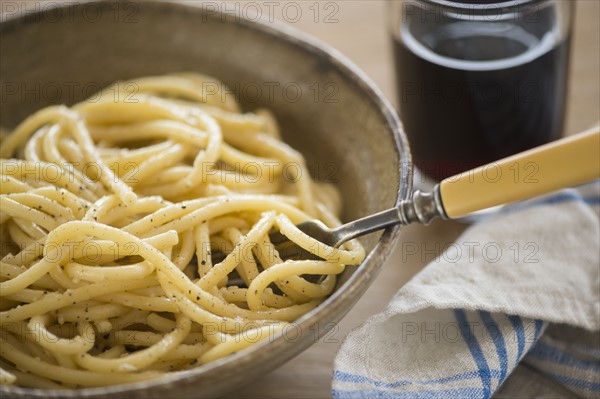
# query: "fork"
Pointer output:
{"type": "Point", "coordinates": [563, 163]}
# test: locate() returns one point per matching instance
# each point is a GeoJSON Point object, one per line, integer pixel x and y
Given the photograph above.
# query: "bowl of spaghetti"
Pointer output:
{"type": "Point", "coordinates": [149, 152]}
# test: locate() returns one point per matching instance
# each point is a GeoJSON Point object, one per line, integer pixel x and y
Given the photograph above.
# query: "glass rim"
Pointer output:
{"type": "Point", "coordinates": [484, 6]}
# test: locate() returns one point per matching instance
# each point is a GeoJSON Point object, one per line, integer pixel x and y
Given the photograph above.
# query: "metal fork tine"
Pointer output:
{"type": "Point", "coordinates": [287, 249]}
{"type": "Point", "coordinates": [277, 238]}
{"type": "Point", "coordinates": [294, 252]}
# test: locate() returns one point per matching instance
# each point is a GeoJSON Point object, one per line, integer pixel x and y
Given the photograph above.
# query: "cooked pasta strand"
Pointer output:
{"type": "Point", "coordinates": [135, 235]}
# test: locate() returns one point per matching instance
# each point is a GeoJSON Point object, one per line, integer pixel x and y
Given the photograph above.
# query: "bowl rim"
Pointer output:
{"type": "Point", "coordinates": [351, 290]}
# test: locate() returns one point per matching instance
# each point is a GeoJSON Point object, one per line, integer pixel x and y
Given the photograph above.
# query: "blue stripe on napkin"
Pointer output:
{"type": "Point", "coordinates": [496, 334]}
{"type": "Point", "coordinates": [475, 349]}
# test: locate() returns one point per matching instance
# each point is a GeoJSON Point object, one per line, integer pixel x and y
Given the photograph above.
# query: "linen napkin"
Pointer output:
{"type": "Point", "coordinates": [517, 315]}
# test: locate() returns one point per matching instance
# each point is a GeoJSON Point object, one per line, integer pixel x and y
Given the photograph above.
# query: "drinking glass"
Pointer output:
{"type": "Point", "coordinates": [479, 80]}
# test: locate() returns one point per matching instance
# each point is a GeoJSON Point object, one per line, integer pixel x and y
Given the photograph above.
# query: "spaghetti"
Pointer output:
{"type": "Point", "coordinates": [111, 214]}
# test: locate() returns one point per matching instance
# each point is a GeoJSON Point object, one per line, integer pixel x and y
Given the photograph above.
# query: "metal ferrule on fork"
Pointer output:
{"type": "Point", "coordinates": [422, 207]}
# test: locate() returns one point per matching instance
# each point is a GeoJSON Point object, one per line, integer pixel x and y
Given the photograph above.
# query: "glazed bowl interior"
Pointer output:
{"type": "Point", "coordinates": [326, 109]}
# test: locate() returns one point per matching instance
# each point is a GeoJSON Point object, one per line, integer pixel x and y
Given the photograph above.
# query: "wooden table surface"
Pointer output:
{"type": "Point", "coordinates": [361, 34]}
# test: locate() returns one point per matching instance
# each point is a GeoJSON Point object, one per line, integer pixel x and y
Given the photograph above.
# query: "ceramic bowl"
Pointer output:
{"type": "Point", "coordinates": [327, 108]}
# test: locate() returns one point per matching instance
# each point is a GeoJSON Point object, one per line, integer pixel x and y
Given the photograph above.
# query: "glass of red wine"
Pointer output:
{"type": "Point", "coordinates": [479, 80]}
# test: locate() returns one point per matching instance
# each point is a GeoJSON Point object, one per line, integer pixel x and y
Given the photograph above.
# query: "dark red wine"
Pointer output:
{"type": "Point", "coordinates": [499, 96]}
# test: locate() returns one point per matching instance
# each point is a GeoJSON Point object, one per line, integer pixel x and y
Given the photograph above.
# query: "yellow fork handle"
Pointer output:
{"type": "Point", "coordinates": [563, 163]}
